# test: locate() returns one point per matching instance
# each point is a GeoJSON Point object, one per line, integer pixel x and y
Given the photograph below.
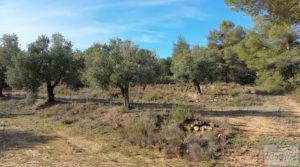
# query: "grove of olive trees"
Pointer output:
{"type": "Point", "coordinates": [267, 55]}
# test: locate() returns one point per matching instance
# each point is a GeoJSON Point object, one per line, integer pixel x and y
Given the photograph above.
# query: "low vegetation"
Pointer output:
{"type": "Point", "coordinates": [178, 134]}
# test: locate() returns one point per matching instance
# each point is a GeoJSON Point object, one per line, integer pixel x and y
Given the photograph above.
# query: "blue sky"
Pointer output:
{"type": "Point", "coordinates": [152, 24]}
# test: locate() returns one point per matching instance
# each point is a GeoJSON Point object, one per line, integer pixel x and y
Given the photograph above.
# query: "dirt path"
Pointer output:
{"type": "Point", "coordinates": [263, 129]}
{"type": "Point", "coordinates": [29, 141]}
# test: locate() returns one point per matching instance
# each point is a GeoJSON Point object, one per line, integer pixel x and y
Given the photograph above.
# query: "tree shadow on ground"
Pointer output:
{"type": "Point", "coordinates": [12, 115]}
{"type": "Point", "coordinates": [111, 103]}
{"type": "Point", "coordinates": [193, 107]}
{"type": "Point", "coordinates": [13, 139]}
{"type": "Point", "coordinates": [6, 98]}
{"type": "Point", "coordinates": [169, 106]}
{"type": "Point", "coordinates": [241, 113]}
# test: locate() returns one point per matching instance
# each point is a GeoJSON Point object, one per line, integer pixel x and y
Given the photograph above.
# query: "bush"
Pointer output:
{"type": "Point", "coordinates": [143, 131]}
{"type": "Point", "coordinates": [68, 120]}
{"type": "Point", "coordinates": [122, 109]}
{"type": "Point", "coordinates": [166, 80]}
{"type": "Point", "coordinates": [170, 137]}
{"type": "Point", "coordinates": [171, 140]}
{"type": "Point", "coordinates": [54, 111]}
{"type": "Point", "coordinates": [248, 100]}
{"type": "Point", "coordinates": [180, 114]}
{"type": "Point", "coordinates": [271, 84]}
{"type": "Point", "coordinates": [296, 93]}
{"type": "Point", "coordinates": [31, 97]}
{"type": "Point", "coordinates": [199, 149]}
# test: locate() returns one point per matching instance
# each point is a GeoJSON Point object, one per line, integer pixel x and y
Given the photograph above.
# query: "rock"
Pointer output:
{"type": "Point", "coordinates": [192, 125]}
{"type": "Point", "coordinates": [206, 128]}
{"type": "Point", "coordinates": [196, 128]}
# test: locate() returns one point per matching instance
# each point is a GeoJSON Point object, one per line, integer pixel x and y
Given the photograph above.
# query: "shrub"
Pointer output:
{"type": "Point", "coordinates": [272, 84]}
{"type": "Point", "coordinates": [199, 149]}
{"type": "Point", "coordinates": [68, 120]}
{"type": "Point", "coordinates": [180, 114]}
{"type": "Point", "coordinates": [248, 100]}
{"type": "Point", "coordinates": [143, 131]}
{"type": "Point", "coordinates": [122, 109]}
{"type": "Point", "coordinates": [153, 96]}
{"type": "Point", "coordinates": [296, 93]}
{"type": "Point", "coordinates": [235, 92]}
{"type": "Point", "coordinates": [174, 141]}
{"type": "Point", "coordinates": [31, 97]}
{"type": "Point", "coordinates": [171, 140]}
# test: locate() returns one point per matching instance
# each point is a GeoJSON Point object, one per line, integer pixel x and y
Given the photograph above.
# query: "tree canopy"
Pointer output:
{"type": "Point", "coordinates": [196, 65]}
{"type": "Point", "coordinates": [46, 62]}
{"type": "Point", "coordinates": [272, 47]}
{"type": "Point", "coordinates": [9, 49]}
{"type": "Point", "coordinates": [286, 11]}
{"type": "Point", "coordinates": [121, 64]}
{"type": "Point", "coordinates": [225, 40]}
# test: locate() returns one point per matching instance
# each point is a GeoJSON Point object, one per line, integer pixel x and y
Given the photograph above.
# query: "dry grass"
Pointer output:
{"type": "Point", "coordinates": [156, 133]}
{"type": "Point", "coordinates": [91, 141]}
{"type": "Point", "coordinates": [217, 95]}
{"type": "Point", "coordinates": [166, 134]}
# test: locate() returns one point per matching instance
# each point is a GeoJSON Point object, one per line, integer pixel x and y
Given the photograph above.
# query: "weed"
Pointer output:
{"type": "Point", "coordinates": [68, 120]}
{"type": "Point", "coordinates": [143, 131]}
{"type": "Point", "coordinates": [122, 109]}
{"type": "Point", "coordinates": [31, 97]}
{"type": "Point", "coordinates": [180, 113]}
{"type": "Point", "coordinates": [199, 149]}
{"type": "Point", "coordinates": [296, 94]}
{"type": "Point", "coordinates": [171, 140]}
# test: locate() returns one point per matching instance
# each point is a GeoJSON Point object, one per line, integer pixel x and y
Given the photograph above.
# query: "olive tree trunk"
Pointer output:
{"type": "Point", "coordinates": [125, 94]}
{"type": "Point", "coordinates": [197, 87]}
{"type": "Point", "coordinates": [50, 93]}
{"type": "Point", "coordinates": [1, 91]}
{"type": "Point", "coordinates": [1, 87]}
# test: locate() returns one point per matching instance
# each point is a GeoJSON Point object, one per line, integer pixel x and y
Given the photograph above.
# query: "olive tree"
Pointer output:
{"type": "Point", "coordinates": [46, 62]}
{"type": "Point", "coordinates": [197, 65]}
{"type": "Point", "coordinates": [9, 49]}
{"type": "Point", "coordinates": [121, 64]}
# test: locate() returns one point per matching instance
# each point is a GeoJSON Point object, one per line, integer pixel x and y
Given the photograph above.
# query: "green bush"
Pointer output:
{"type": "Point", "coordinates": [180, 113]}
{"type": "Point", "coordinates": [122, 109]}
{"type": "Point", "coordinates": [296, 94]}
{"type": "Point", "coordinates": [271, 83]}
{"type": "Point", "coordinates": [143, 131]}
{"type": "Point", "coordinates": [68, 120]}
{"type": "Point", "coordinates": [31, 97]}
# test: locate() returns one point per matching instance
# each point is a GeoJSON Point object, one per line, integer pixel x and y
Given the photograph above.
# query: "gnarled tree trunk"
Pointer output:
{"type": "Point", "coordinates": [1, 87]}
{"type": "Point", "coordinates": [197, 87]}
{"type": "Point", "coordinates": [50, 93]}
{"type": "Point", "coordinates": [1, 93]}
{"type": "Point", "coordinates": [125, 94]}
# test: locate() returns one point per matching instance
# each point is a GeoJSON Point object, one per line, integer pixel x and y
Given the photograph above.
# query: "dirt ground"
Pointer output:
{"type": "Point", "coordinates": [277, 122]}
{"type": "Point", "coordinates": [28, 140]}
